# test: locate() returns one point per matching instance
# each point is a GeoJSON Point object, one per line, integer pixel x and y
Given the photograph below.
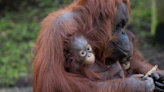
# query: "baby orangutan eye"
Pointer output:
{"type": "Point", "coordinates": [89, 48]}
{"type": "Point", "coordinates": [82, 53]}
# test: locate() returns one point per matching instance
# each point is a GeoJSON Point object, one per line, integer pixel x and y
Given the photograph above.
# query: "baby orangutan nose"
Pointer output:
{"type": "Point", "coordinates": [89, 55]}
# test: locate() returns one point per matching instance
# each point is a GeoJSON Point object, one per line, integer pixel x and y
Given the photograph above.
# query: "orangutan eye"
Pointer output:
{"type": "Point", "coordinates": [89, 48]}
{"type": "Point", "coordinates": [119, 25]}
{"type": "Point", "coordinates": [123, 23]}
{"type": "Point", "coordinates": [82, 53]}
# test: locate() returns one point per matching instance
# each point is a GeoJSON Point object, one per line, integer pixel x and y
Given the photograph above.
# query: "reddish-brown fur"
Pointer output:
{"type": "Point", "coordinates": [73, 62]}
{"type": "Point", "coordinates": [50, 73]}
{"type": "Point", "coordinates": [138, 64]}
{"type": "Point", "coordinates": [75, 65]}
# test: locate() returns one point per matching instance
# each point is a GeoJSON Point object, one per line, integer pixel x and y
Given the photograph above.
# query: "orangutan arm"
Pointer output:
{"type": "Point", "coordinates": [131, 84]}
{"type": "Point", "coordinates": [139, 64]}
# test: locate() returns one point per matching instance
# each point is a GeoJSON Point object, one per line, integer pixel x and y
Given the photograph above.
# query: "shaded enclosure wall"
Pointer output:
{"type": "Point", "coordinates": [157, 28]}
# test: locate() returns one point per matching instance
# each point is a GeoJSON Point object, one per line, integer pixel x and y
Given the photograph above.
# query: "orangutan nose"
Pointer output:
{"type": "Point", "coordinates": [89, 54]}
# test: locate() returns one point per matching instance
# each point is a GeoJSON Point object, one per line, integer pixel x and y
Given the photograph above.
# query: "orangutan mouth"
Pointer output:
{"type": "Point", "coordinates": [125, 52]}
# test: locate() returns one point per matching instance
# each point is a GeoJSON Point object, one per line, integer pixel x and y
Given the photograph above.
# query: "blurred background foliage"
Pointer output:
{"type": "Point", "coordinates": [19, 27]}
{"type": "Point", "coordinates": [20, 24]}
{"type": "Point", "coordinates": [140, 17]}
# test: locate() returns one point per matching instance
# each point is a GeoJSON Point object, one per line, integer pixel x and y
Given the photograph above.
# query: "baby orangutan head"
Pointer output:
{"type": "Point", "coordinates": [81, 50]}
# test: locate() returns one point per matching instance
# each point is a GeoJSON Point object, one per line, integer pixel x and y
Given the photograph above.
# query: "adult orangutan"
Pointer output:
{"type": "Point", "coordinates": [102, 22]}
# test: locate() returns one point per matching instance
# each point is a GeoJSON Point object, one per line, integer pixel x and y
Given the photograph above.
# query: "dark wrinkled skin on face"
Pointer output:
{"type": "Point", "coordinates": [120, 46]}
{"type": "Point", "coordinates": [123, 47]}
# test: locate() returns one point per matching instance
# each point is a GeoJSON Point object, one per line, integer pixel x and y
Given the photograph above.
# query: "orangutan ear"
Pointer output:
{"type": "Point", "coordinates": [81, 1]}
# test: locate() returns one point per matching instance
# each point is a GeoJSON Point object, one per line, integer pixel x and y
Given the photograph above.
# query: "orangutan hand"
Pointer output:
{"type": "Point", "coordinates": [158, 77]}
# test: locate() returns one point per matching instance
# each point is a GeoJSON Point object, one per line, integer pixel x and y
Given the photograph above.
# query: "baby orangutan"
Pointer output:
{"type": "Point", "coordinates": [125, 63]}
{"type": "Point", "coordinates": [82, 55]}
{"type": "Point", "coordinates": [80, 51]}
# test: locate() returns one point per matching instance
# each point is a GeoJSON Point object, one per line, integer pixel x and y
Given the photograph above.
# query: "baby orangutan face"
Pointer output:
{"type": "Point", "coordinates": [81, 50]}
{"type": "Point", "coordinates": [126, 65]}
{"type": "Point", "coordinates": [86, 55]}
